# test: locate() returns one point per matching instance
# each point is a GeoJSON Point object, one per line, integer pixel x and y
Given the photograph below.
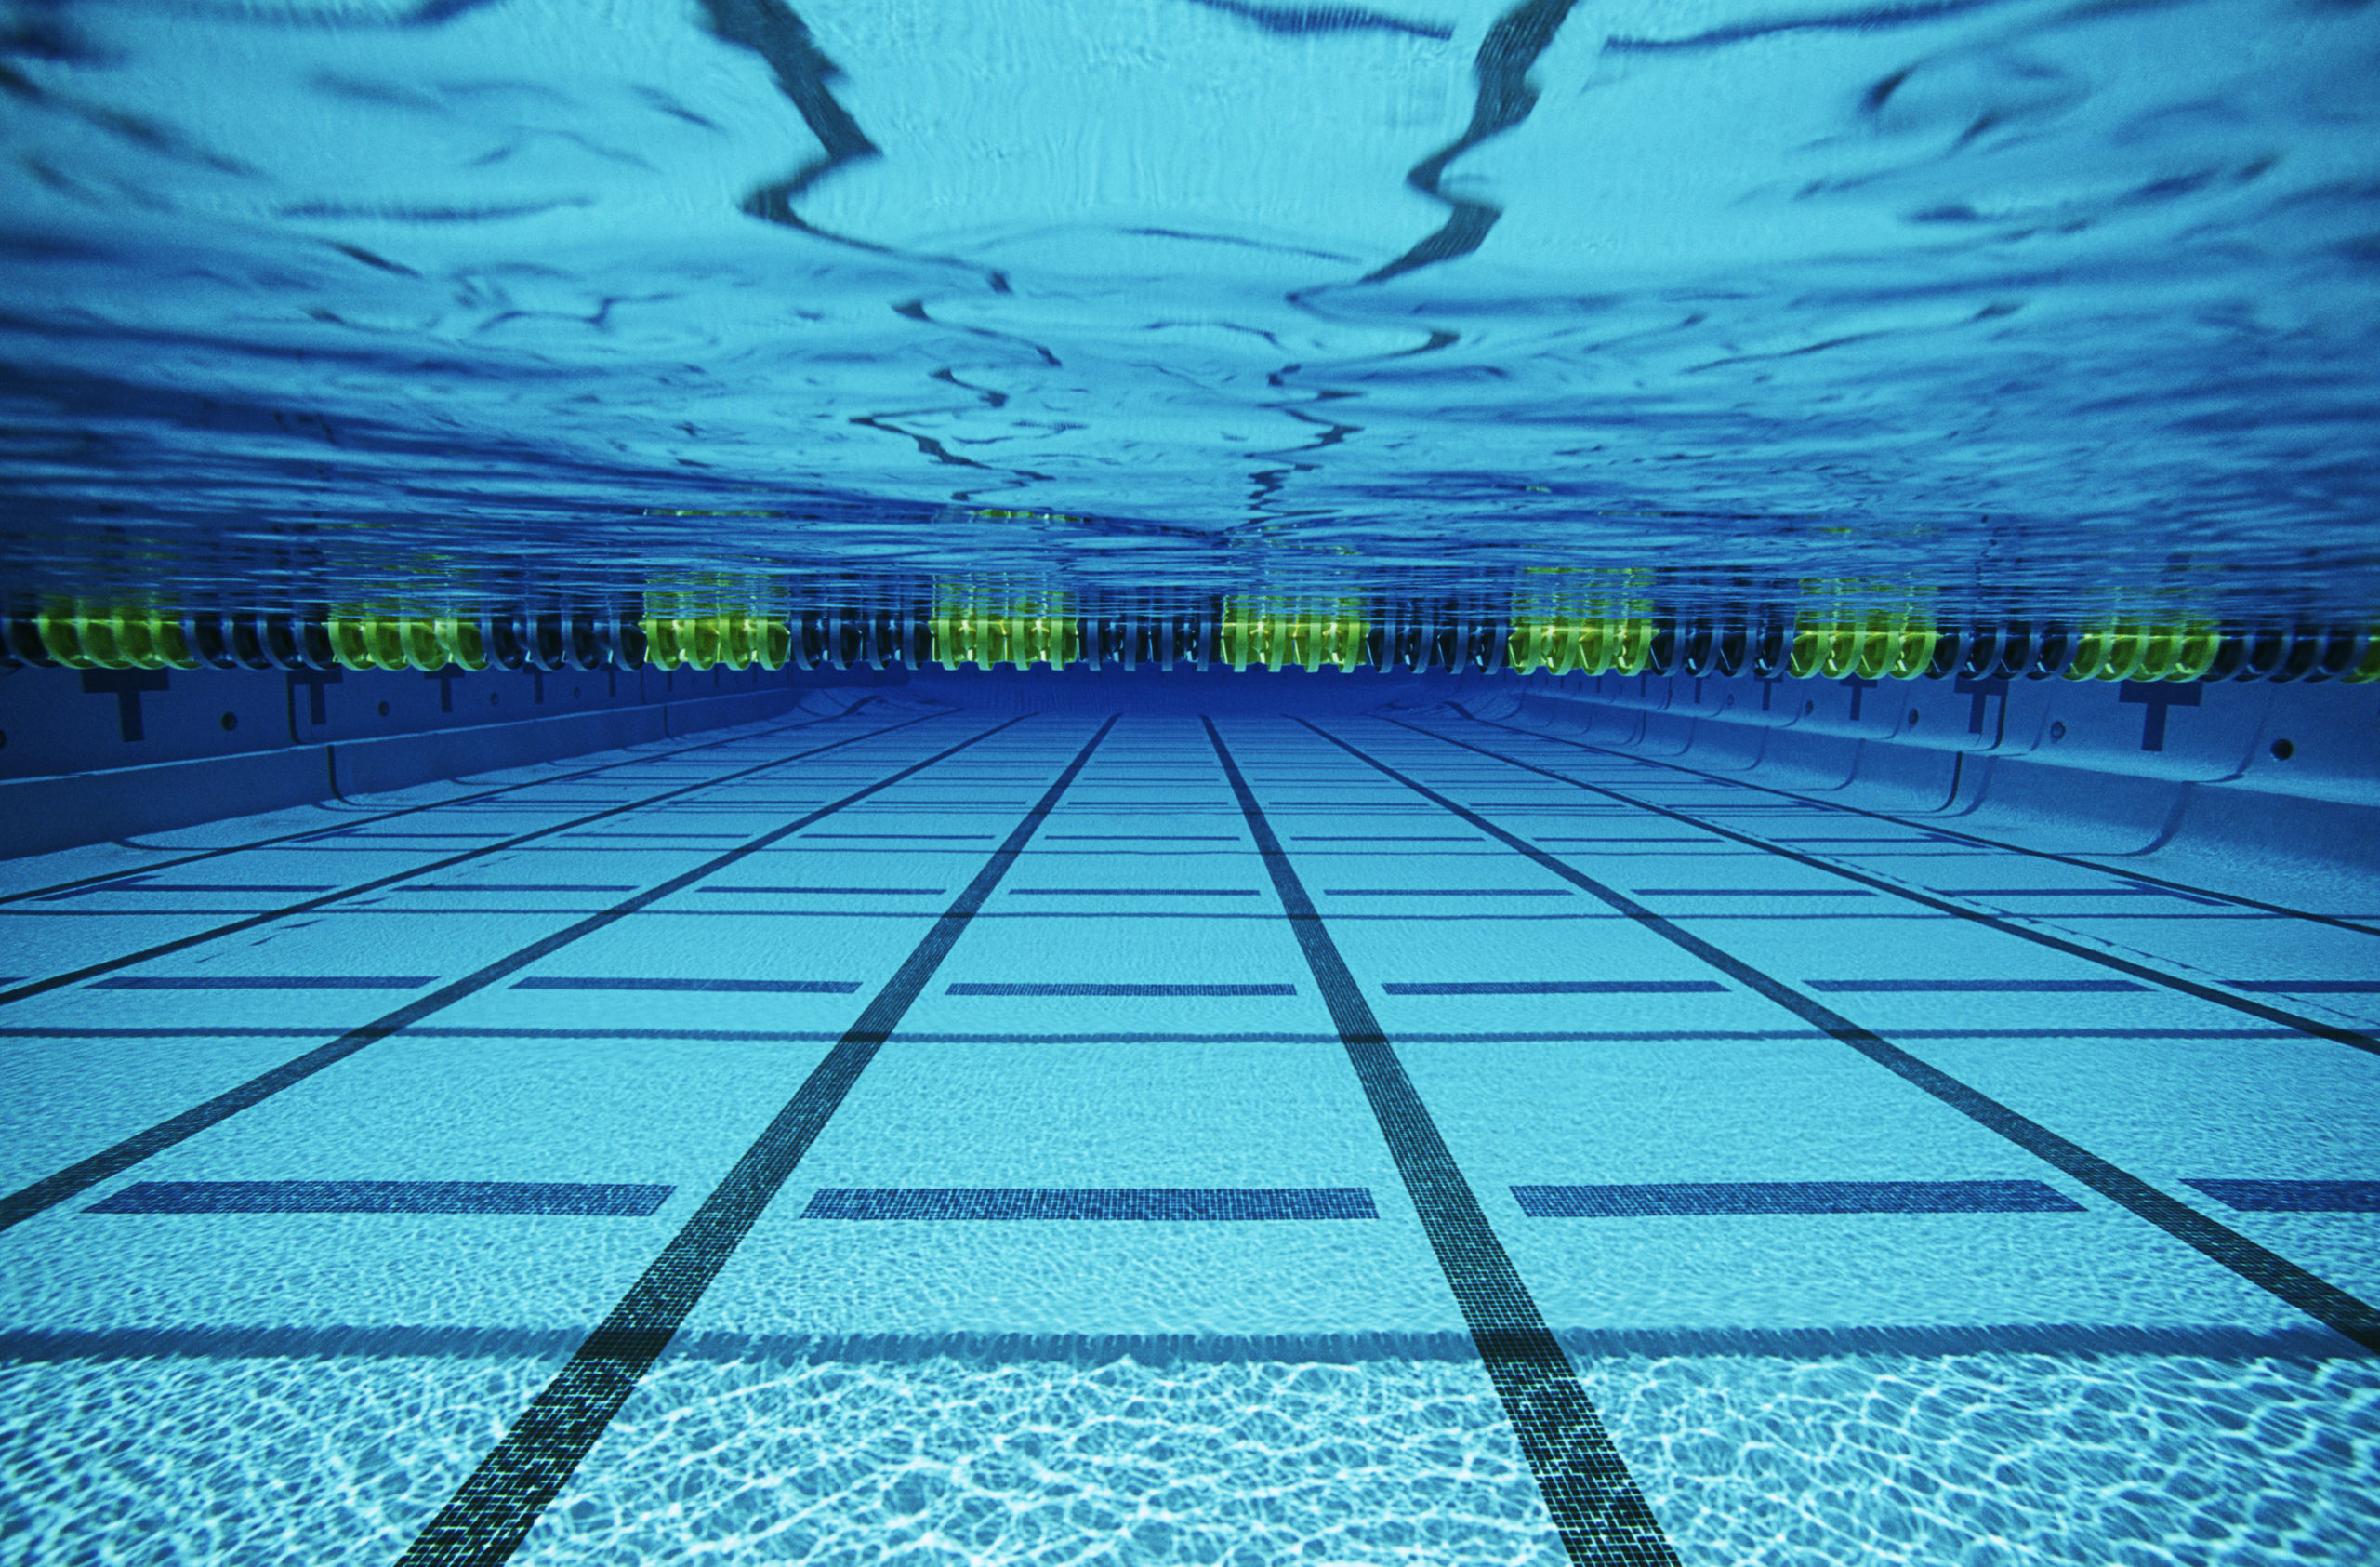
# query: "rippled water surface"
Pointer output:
{"type": "Point", "coordinates": [2029, 303]}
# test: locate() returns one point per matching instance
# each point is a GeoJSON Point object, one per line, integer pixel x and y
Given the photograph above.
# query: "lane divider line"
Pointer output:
{"type": "Point", "coordinates": [1600, 1514]}
{"type": "Point", "coordinates": [2345, 1314]}
{"type": "Point", "coordinates": [2184, 888]}
{"type": "Point", "coordinates": [216, 933]}
{"type": "Point", "coordinates": [350, 824]}
{"type": "Point", "coordinates": [109, 1162]}
{"type": "Point", "coordinates": [2336, 1033]}
{"type": "Point", "coordinates": [492, 1511]}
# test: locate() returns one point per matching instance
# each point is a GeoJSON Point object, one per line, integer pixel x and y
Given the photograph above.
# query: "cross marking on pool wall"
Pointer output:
{"type": "Point", "coordinates": [125, 686]}
{"type": "Point", "coordinates": [1860, 687]}
{"type": "Point", "coordinates": [2157, 696]}
{"type": "Point", "coordinates": [1982, 690]}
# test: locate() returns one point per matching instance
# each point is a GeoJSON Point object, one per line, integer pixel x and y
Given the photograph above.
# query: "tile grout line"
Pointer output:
{"type": "Point", "coordinates": [497, 1506]}
{"type": "Point", "coordinates": [2315, 1027]}
{"type": "Point", "coordinates": [1597, 1509]}
{"type": "Point", "coordinates": [108, 1163]}
{"type": "Point", "coordinates": [216, 933]}
{"type": "Point", "coordinates": [56, 888]}
{"type": "Point", "coordinates": [2335, 1309]}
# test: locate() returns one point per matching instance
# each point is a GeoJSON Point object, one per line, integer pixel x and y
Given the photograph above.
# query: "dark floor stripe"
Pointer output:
{"type": "Point", "coordinates": [522, 887]}
{"type": "Point", "coordinates": [1972, 987]}
{"type": "Point", "coordinates": [144, 885]}
{"type": "Point", "coordinates": [2312, 1025]}
{"type": "Point", "coordinates": [1945, 834]}
{"type": "Point", "coordinates": [1174, 1204]}
{"type": "Point", "coordinates": [109, 1162]}
{"type": "Point", "coordinates": [2315, 1296]}
{"type": "Point", "coordinates": [841, 892]}
{"type": "Point", "coordinates": [2294, 1197]}
{"type": "Point", "coordinates": [1132, 892]}
{"type": "Point", "coordinates": [485, 1520]}
{"type": "Point", "coordinates": [2308, 987]}
{"type": "Point", "coordinates": [1752, 892]}
{"type": "Point", "coordinates": [982, 988]}
{"type": "Point", "coordinates": [267, 982]}
{"type": "Point", "coordinates": [385, 1197]}
{"type": "Point", "coordinates": [1552, 987]}
{"type": "Point", "coordinates": [1700, 1198]}
{"type": "Point", "coordinates": [1445, 891]}
{"type": "Point", "coordinates": [751, 987]}
{"type": "Point", "coordinates": [266, 917]}
{"type": "Point", "coordinates": [1597, 1509]}
{"type": "Point", "coordinates": [358, 826]}
{"type": "Point", "coordinates": [2081, 1341]}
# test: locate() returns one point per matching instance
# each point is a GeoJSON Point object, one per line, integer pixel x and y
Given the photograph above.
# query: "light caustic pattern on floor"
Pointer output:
{"type": "Point", "coordinates": [957, 1137]}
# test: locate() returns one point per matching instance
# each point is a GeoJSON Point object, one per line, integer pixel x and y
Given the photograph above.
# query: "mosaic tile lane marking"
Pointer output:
{"type": "Point", "coordinates": [1945, 834]}
{"type": "Point", "coordinates": [985, 988]}
{"type": "Point", "coordinates": [495, 1508]}
{"type": "Point", "coordinates": [386, 1197]}
{"type": "Point", "coordinates": [2313, 1025]}
{"type": "Point", "coordinates": [1700, 1198]}
{"type": "Point", "coordinates": [1597, 1509]}
{"type": "Point", "coordinates": [1552, 987]}
{"type": "Point", "coordinates": [1132, 892]}
{"type": "Point", "coordinates": [2294, 1197]}
{"type": "Point", "coordinates": [2308, 987]}
{"type": "Point", "coordinates": [2212, 1341]}
{"type": "Point", "coordinates": [1168, 1204]}
{"type": "Point", "coordinates": [268, 982]}
{"type": "Point", "coordinates": [1443, 892]}
{"type": "Point", "coordinates": [740, 987]}
{"type": "Point", "coordinates": [847, 892]}
{"type": "Point", "coordinates": [522, 887]}
{"type": "Point", "coordinates": [253, 922]}
{"type": "Point", "coordinates": [1752, 891]}
{"type": "Point", "coordinates": [110, 1162]}
{"type": "Point", "coordinates": [141, 883]}
{"type": "Point", "coordinates": [1972, 987]}
{"type": "Point", "coordinates": [2318, 1297]}
{"type": "Point", "coordinates": [355, 827]}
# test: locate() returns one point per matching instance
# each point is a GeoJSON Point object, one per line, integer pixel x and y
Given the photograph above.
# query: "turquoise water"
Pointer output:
{"type": "Point", "coordinates": [330, 300]}
{"type": "Point", "coordinates": [1983, 1359]}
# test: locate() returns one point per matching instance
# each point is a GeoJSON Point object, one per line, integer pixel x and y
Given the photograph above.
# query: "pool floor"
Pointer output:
{"type": "Point", "coordinates": [941, 1135]}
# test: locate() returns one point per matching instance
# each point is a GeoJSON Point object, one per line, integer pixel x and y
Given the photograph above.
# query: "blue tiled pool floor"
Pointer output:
{"type": "Point", "coordinates": [957, 1137]}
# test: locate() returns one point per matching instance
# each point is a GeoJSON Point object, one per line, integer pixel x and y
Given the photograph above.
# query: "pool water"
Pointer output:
{"type": "Point", "coordinates": [1173, 1132]}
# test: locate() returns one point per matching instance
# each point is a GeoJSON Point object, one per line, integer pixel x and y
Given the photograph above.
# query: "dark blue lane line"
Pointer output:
{"type": "Point", "coordinates": [1680, 1198]}
{"type": "Point", "coordinates": [1173, 1036]}
{"type": "Point", "coordinates": [253, 922]}
{"type": "Point", "coordinates": [748, 987]}
{"type": "Point", "coordinates": [1972, 987]}
{"type": "Point", "coordinates": [1597, 1509]}
{"type": "Point", "coordinates": [2294, 1197]}
{"type": "Point", "coordinates": [523, 887]}
{"type": "Point", "coordinates": [1552, 987]}
{"type": "Point", "coordinates": [2308, 987]}
{"type": "Point", "coordinates": [1445, 891]}
{"type": "Point", "coordinates": [386, 1197]}
{"type": "Point", "coordinates": [1945, 834]}
{"type": "Point", "coordinates": [487, 1517]}
{"type": "Point", "coordinates": [1751, 892]}
{"type": "Point", "coordinates": [2304, 1025]}
{"type": "Point", "coordinates": [1132, 892]}
{"type": "Point", "coordinates": [110, 1162]}
{"type": "Point", "coordinates": [1005, 1350]}
{"type": "Point", "coordinates": [986, 987]}
{"type": "Point", "coordinates": [2319, 1299]}
{"type": "Point", "coordinates": [356, 827]}
{"type": "Point", "coordinates": [269, 982]}
{"type": "Point", "coordinates": [142, 884]}
{"type": "Point", "coordinates": [853, 892]}
{"type": "Point", "coordinates": [1156, 1204]}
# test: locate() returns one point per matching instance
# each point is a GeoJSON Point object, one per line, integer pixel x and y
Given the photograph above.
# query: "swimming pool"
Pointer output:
{"type": "Point", "coordinates": [1065, 1134]}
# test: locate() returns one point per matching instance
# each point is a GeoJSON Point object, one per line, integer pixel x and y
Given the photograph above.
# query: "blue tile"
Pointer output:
{"type": "Point", "coordinates": [1790, 1197]}
{"type": "Point", "coordinates": [1971, 987]}
{"type": "Point", "coordinates": [384, 1196]}
{"type": "Point", "coordinates": [1174, 1204]}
